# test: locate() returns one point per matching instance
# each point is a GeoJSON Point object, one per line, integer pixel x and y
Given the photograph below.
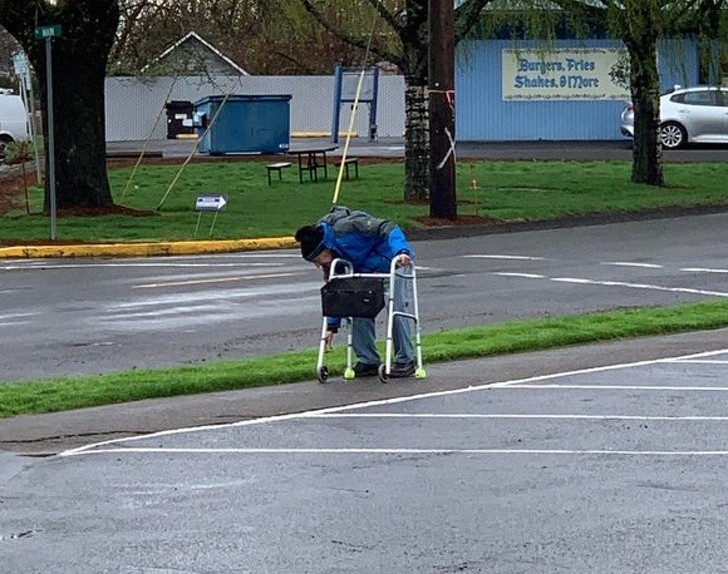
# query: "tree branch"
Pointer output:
{"type": "Point", "coordinates": [466, 16]}
{"type": "Point", "coordinates": [346, 37]}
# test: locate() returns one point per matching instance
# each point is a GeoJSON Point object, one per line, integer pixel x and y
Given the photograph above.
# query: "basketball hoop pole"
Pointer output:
{"type": "Point", "coordinates": [344, 155]}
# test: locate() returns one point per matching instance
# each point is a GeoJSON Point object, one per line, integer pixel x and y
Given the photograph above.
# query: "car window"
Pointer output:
{"type": "Point", "coordinates": [698, 98]}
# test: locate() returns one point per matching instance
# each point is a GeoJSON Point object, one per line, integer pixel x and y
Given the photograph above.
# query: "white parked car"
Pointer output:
{"type": "Point", "coordinates": [688, 115]}
{"type": "Point", "coordinates": [13, 120]}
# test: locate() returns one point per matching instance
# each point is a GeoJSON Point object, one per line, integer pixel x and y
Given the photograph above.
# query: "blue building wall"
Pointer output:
{"type": "Point", "coordinates": [483, 115]}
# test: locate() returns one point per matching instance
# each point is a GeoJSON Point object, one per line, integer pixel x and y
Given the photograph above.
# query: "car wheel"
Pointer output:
{"type": "Point", "coordinates": [673, 135]}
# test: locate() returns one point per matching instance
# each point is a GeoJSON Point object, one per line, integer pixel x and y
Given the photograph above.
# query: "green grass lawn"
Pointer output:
{"type": "Point", "coordinates": [506, 191]}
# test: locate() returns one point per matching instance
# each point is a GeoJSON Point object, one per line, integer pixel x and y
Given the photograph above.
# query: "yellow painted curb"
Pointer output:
{"type": "Point", "coordinates": [146, 249]}
{"type": "Point", "coordinates": [322, 134]}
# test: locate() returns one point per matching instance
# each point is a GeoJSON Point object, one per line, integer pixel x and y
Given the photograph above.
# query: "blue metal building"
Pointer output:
{"type": "Point", "coordinates": [570, 90]}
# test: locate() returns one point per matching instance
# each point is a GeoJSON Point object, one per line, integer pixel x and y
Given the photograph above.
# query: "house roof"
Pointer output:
{"type": "Point", "coordinates": [192, 38]}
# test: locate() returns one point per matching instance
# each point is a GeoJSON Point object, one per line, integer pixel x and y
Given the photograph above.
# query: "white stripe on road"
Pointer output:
{"type": "Point", "coordinates": [524, 275]}
{"type": "Point", "coordinates": [703, 270]}
{"type": "Point", "coordinates": [513, 257]}
{"type": "Point", "coordinates": [11, 316]}
{"type": "Point", "coordinates": [617, 388]}
{"type": "Point", "coordinates": [645, 286]}
{"type": "Point", "coordinates": [215, 280]}
{"type": "Point", "coordinates": [628, 264]}
{"type": "Point", "coordinates": [520, 416]}
{"type": "Point", "coordinates": [401, 451]}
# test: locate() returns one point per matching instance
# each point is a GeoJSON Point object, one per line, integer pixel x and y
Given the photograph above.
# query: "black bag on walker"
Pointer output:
{"type": "Point", "coordinates": [353, 297]}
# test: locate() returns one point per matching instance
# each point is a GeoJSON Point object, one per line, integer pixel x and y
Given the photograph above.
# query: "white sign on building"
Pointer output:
{"type": "Point", "coordinates": [565, 74]}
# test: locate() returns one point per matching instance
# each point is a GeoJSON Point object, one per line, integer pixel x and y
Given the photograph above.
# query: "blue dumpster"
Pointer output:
{"type": "Point", "coordinates": [245, 124]}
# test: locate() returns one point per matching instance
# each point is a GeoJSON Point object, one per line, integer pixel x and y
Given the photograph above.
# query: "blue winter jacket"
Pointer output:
{"type": "Point", "coordinates": [367, 242]}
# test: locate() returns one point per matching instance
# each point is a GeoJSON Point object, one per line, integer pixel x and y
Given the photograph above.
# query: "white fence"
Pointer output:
{"type": "Point", "coordinates": [135, 106]}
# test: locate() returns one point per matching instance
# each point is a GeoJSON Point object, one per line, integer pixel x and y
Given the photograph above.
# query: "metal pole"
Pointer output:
{"type": "Point", "coordinates": [443, 201]}
{"type": "Point", "coordinates": [51, 138]}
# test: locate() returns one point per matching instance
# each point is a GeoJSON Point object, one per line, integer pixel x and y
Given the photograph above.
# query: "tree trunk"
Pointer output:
{"type": "Point", "coordinates": [645, 90]}
{"type": "Point", "coordinates": [79, 59]}
{"type": "Point", "coordinates": [417, 144]}
{"type": "Point", "coordinates": [79, 130]}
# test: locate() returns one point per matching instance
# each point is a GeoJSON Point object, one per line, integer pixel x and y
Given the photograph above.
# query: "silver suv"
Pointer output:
{"type": "Point", "coordinates": [688, 115]}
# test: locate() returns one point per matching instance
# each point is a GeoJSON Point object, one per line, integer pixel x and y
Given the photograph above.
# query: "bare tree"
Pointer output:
{"type": "Point", "coordinates": [262, 36]}
{"type": "Point", "coordinates": [8, 46]}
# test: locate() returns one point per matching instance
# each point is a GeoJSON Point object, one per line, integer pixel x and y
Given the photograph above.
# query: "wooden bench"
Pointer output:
{"type": "Point", "coordinates": [346, 163]}
{"type": "Point", "coordinates": [277, 167]}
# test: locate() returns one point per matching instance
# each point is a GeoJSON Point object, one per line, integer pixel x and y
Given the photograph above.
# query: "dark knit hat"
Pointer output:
{"type": "Point", "coordinates": [311, 238]}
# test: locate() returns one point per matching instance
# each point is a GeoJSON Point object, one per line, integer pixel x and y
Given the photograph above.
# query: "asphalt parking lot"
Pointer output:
{"type": "Point", "coordinates": [617, 468]}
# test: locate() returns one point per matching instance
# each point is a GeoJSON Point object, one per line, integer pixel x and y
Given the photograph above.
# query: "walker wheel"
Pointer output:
{"type": "Point", "coordinates": [382, 371]}
{"type": "Point", "coordinates": [322, 374]}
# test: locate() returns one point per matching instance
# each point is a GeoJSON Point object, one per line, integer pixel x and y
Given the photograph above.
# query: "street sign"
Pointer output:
{"type": "Point", "coordinates": [20, 64]}
{"type": "Point", "coordinates": [52, 31]}
{"type": "Point", "coordinates": [210, 202]}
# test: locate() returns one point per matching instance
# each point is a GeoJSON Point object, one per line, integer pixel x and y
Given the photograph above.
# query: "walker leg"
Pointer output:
{"type": "Point", "coordinates": [349, 371]}
{"type": "Point", "coordinates": [420, 372]}
{"type": "Point", "coordinates": [386, 368]}
{"type": "Point", "coordinates": [322, 371]}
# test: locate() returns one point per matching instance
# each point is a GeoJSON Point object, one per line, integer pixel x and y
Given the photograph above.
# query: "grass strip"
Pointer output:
{"type": "Point", "coordinates": [35, 397]}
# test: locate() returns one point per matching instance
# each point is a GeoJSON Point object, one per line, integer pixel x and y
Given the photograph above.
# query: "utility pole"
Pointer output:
{"type": "Point", "coordinates": [441, 83]}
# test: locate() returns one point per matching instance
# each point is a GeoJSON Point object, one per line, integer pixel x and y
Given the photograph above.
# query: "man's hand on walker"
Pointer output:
{"type": "Point", "coordinates": [329, 341]}
{"type": "Point", "coordinates": [403, 260]}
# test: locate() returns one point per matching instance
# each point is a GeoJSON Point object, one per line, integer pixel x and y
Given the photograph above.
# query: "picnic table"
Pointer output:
{"type": "Point", "coordinates": [312, 159]}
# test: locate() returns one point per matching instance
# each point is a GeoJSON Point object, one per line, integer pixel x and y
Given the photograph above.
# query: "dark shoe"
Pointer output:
{"type": "Point", "coordinates": [365, 370]}
{"type": "Point", "coordinates": [402, 370]}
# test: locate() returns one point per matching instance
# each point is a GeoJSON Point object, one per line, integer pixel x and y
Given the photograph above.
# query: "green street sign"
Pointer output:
{"type": "Point", "coordinates": [52, 31]}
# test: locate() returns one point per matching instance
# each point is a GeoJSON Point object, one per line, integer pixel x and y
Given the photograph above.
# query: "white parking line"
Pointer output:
{"type": "Point", "coordinates": [517, 416]}
{"type": "Point", "coordinates": [407, 451]}
{"type": "Point", "coordinates": [215, 280]}
{"type": "Point", "coordinates": [701, 361]}
{"type": "Point", "coordinates": [630, 264]}
{"type": "Point", "coordinates": [513, 257]}
{"type": "Point", "coordinates": [646, 286]}
{"type": "Point", "coordinates": [524, 275]}
{"type": "Point", "coordinates": [621, 388]}
{"type": "Point", "coordinates": [703, 270]}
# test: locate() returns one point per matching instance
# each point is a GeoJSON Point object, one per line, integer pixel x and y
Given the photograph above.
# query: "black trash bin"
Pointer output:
{"type": "Point", "coordinates": [179, 118]}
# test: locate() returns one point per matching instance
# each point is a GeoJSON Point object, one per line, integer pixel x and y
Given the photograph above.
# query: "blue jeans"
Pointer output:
{"type": "Point", "coordinates": [364, 335]}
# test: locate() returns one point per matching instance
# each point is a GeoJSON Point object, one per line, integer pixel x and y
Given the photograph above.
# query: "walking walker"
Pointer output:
{"type": "Point", "coordinates": [347, 295]}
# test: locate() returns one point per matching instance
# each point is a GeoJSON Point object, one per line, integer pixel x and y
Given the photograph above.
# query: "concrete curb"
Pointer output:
{"type": "Point", "coordinates": [145, 249]}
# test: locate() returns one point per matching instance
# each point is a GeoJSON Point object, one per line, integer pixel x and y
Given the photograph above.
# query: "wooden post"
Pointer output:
{"type": "Point", "coordinates": [441, 79]}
